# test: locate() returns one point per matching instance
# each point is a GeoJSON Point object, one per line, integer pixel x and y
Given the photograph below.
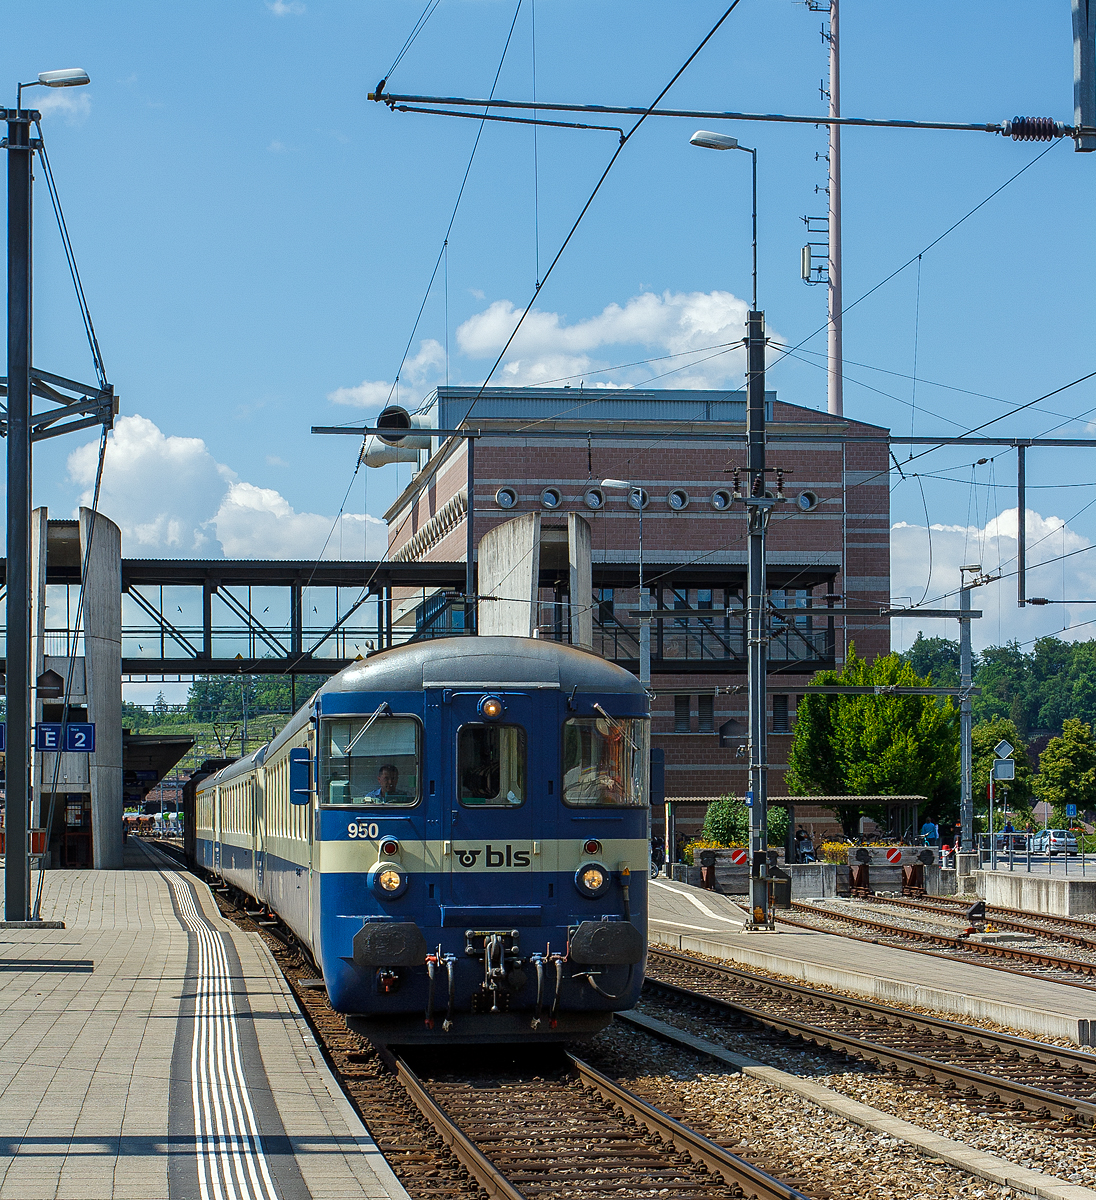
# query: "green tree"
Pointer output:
{"type": "Point", "coordinates": [1067, 770]}
{"type": "Point", "coordinates": [986, 735]}
{"type": "Point", "coordinates": [935, 656]}
{"type": "Point", "coordinates": [728, 820]}
{"type": "Point", "coordinates": [882, 745]}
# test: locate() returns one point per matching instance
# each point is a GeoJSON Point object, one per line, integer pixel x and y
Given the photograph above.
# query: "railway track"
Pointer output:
{"type": "Point", "coordinates": [1071, 930]}
{"type": "Point", "coordinates": [1065, 967]}
{"type": "Point", "coordinates": [560, 1128]}
{"type": "Point", "coordinates": [1017, 1073]}
{"type": "Point", "coordinates": [571, 1132]}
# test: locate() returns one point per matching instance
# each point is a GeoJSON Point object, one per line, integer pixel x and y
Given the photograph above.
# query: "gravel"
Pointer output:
{"type": "Point", "coordinates": [784, 1134]}
{"type": "Point", "coordinates": [1050, 1146]}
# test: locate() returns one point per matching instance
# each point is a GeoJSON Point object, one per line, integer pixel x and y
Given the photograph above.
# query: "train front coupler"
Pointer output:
{"type": "Point", "coordinates": [502, 973]}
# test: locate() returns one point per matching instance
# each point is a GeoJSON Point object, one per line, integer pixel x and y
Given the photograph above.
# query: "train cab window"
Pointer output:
{"type": "Point", "coordinates": [606, 762]}
{"type": "Point", "coordinates": [491, 765]}
{"type": "Point", "coordinates": [378, 765]}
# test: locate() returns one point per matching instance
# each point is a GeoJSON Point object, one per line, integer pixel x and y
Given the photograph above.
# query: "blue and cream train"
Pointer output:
{"type": "Point", "coordinates": [458, 831]}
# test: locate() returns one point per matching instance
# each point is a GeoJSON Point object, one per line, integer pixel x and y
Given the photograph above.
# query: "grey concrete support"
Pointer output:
{"type": "Point", "coordinates": [509, 572]}
{"type": "Point", "coordinates": [580, 563]}
{"type": "Point", "coordinates": [101, 549]}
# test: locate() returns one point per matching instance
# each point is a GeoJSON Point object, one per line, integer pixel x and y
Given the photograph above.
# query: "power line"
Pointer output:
{"type": "Point", "coordinates": [597, 187]}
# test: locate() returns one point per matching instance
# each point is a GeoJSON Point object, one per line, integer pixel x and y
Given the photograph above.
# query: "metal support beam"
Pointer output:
{"type": "Point", "coordinates": [19, 677]}
{"type": "Point", "coordinates": [758, 509]}
{"type": "Point", "coordinates": [966, 718]}
{"type": "Point", "coordinates": [296, 621]}
{"type": "Point", "coordinates": [209, 586]}
{"type": "Point", "coordinates": [1084, 74]}
{"type": "Point", "coordinates": [1021, 524]}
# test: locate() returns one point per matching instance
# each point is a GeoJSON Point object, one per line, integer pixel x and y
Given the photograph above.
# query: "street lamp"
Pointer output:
{"type": "Point", "coordinates": [19, 677]}
{"type": "Point", "coordinates": [721, 141]}
{"type": "Point", "coordinates": [70, 77]}
{"type": "Point", "coordinates": [758, 509]}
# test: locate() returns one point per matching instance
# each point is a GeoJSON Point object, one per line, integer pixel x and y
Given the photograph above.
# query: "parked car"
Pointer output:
{"type": "Point", "coordinates": [1012, 841]}
{"type": "Point", "coordinates": [1054, 841]}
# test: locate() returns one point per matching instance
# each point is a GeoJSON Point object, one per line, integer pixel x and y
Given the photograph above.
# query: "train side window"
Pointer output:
{"type": "Point", "coordinates": [491, 765]}
{"type": "Point", "coordinates": [606, 762]}
{"type": "Point", "coordinates": [363, 764]}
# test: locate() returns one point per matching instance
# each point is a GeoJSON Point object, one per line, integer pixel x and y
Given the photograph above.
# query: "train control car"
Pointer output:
{"type": "Point", "coordinates": [458, 830]}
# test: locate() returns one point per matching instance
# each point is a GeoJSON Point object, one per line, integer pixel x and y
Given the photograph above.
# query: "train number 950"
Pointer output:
{"type": "Point", "coordinates": [363, 830]}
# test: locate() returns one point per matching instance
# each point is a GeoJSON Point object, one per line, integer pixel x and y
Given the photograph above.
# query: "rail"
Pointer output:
{"type": "Point", "coordinates": [1073, 1072]}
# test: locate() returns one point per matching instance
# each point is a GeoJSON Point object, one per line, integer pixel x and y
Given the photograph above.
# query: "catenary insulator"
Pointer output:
{"type": "Point", "coordinates": [1033, 129]}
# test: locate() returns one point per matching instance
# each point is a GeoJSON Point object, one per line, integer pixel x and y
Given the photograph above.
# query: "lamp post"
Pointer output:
{"type": "Point", "coordinates": [17, 787]}
{"type": "Point", "coordinates": [758, 509]}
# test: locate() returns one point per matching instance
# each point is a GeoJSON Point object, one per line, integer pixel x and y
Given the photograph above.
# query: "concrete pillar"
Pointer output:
{"type": "Point", "coordinates": [509, 571]}
{"type": "Point", "coordinates": [103, 667]}
{"type": "Point", "coordinates": [580, 561]}
{"type": "Point", "coordinates": [38, 526]}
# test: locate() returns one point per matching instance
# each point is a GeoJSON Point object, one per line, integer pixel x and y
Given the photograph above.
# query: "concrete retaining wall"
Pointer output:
{"type": "Point", "coordinates": [1038, 893]}
{"type": "Point", "coordinates": [812, 881]}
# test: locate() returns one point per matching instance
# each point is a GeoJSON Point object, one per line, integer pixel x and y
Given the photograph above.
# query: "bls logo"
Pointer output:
{"type": "Point", "coordinates": [494, 858]}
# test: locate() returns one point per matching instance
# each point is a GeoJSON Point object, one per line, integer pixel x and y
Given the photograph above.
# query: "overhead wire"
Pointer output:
{"type": "Point", "coordinates": [625, 139]}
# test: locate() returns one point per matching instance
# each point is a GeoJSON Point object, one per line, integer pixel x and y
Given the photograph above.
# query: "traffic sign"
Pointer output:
{"type": "Point", "coordinates": [77, 737]}
{"type": "Point", "coordinates": [739, 856]}
{"type": "Point", "coordinates": [1071, 810]}
{"type": "Point", "coordinates": [749, 798]}
{"type": "Point", "coordinates": [894, 855]}
{"type": "Point", "coordinates": [1004, 768]}
{"type": "Point", "coordinates": [1003, 749]}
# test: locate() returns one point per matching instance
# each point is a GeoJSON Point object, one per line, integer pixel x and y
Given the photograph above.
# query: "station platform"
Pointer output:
{"type": "Point", "coordinates": [688, 918]}
{"type": "Point", "coordinates": [150, 1050]}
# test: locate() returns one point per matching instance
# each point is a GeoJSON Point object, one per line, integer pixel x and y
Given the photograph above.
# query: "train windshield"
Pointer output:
{"type": "Point", "coordinates": [491, 765]}
{"type": "Point", "coordinates": [606, 761]}
{"type": "Point", "coordinates": [370, 764]}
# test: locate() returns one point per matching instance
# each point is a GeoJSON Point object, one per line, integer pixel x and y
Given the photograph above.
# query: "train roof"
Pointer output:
{"type": "Point", "coordinates": [487, 662]}
{"type": "Point", "coordinates": [478, 662]}
{"type": "Point", "coordinates": [503, 662]}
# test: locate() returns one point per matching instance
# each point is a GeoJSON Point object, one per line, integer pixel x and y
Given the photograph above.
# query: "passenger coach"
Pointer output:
{"type": "Point", "coordinates": [458, 831]}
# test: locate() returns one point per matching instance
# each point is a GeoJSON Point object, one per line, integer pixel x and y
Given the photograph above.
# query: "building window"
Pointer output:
{"type": "Point", "coordinates": [681, 714]}
{"type": "Point", "coordinates": [706, 714]}
{"type": "Point", "coordinates": [604, 597]}
{"type": "Point", "coordinates": [780, 714]}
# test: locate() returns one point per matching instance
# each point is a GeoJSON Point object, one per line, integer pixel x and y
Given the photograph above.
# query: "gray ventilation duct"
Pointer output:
{"type": "Point", "coordinates": [401, 445]}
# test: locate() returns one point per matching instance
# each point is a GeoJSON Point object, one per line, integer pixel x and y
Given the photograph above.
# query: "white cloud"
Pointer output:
{"type": "Point", "coordinates": [171, 498]}
{"type": "Point", "coordinates": [419, 373]}
{"type": "Point", "coordinates": [285, 8]}
{"type": "Point", "coordinates": [277, 147]}
{"type": "Point", "coordinates": [74, 104]}
{"type": "Point", "coordinates": [995, 547]}
{"type": "Point", "coordinates": [547, 347]}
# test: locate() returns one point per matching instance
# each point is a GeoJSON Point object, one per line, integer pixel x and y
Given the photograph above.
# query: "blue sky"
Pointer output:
{"type": "Point", "coordinates": [256, 239]}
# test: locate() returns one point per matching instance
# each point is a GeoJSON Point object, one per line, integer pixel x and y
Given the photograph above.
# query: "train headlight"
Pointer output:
{"type": "Point", "coordinates": [491, 708]}
{"type": "Point", "coordinates": [388, 880]}
{"type": "Point", "coordinates": [592, 879]}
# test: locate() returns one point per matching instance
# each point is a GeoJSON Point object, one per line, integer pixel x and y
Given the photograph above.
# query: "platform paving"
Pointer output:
{"type": "Point", "coordinates": [689, 918]}
{"type": "Point", "coordinates": [103, 1080]}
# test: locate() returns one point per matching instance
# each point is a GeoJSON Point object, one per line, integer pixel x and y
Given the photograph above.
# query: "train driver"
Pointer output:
{"type": "Point", "coordinates": [388, 782]}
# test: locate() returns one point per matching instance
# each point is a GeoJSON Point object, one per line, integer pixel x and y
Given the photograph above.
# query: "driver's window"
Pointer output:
{"type": "Point", "coordinates": [491, 765]}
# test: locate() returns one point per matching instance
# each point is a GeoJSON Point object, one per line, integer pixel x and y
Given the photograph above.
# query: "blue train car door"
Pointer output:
{"type": "Point", "coordinates": [494, 747]}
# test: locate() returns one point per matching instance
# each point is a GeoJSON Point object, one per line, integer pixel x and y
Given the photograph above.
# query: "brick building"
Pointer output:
{"type": "Point", "coordinates": [681, 447]}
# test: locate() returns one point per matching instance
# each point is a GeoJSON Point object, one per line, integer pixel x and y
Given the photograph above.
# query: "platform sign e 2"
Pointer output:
{"type": "Point", "coordinates": [77, 737]}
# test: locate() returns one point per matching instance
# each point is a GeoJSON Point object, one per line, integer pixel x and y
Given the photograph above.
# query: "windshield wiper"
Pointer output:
{"type": "Point", "coordinates": [382, 710]}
